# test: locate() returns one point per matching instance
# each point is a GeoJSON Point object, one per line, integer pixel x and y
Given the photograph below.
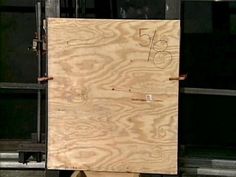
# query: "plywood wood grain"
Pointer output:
{"type": "Point", "coordinates": [111, 105]}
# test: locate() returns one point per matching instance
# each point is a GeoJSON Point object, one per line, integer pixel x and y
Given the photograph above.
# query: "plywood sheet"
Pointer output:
{"type": "Point", "coordinates": [111, 105]}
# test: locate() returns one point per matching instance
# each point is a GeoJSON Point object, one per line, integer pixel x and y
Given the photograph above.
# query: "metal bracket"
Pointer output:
{"type": "Point", "coordinates": [42, 79]}
{"type": "Point", "coordinates": [180, 78]}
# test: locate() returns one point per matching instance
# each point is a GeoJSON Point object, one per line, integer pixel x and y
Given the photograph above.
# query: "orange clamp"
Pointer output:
{"type": "Point", "coordinates": [41, 79]}
{"type": "Point", "coordinates": [180, 78]}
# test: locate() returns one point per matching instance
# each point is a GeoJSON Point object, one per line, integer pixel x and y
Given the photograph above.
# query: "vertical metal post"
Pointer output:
{"type": "Point", "coordinates": [38, 26]}
{"type": "Point", "coordinates": [172, 11]}
{"type": "Point", "coordinates": [52, 8]}
{"type": "Point", "coordinates": [76, 8]}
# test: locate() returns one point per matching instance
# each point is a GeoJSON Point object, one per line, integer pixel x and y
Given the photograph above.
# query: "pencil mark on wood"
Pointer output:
{"type": "Point", "coordinates": [158, 53]}
{"type": "Point", "coordinates": [151, 45]}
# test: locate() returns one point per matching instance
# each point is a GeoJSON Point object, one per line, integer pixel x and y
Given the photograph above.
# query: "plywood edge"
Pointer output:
{"type": "Point", "coordinates": [107, 174]}
{"type": "Point", "coordinates": [116, 20]}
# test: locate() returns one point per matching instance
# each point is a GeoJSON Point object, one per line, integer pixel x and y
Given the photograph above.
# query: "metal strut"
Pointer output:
{"type": "Point", "coordinates": [38, 26]}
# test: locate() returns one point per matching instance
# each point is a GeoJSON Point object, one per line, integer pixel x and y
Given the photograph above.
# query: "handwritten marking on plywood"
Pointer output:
{"type": "Point", "coordinates": [111, 105]}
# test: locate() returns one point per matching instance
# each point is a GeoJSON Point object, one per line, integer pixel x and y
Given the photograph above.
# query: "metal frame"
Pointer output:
{"type": "Point", "coordinates": [36, 147]}
{"type": "Point", "coordinates": [202, 166]}
{"type": "Point", "coordinates": [22, 86]}
{"type": "Point", "coordinates": [172, 9]}
{"type": "Point", "coordinates": [52, 8]}
{"type": "Point", "coordinates": [206, 91]}
{"type": "Point", "coordinates": [76, 8]}
{"type": "Point", "coordinates": [39, 55]}
{"type": "Point", "coordinates": [10, 161]}
{"type": "Point", "coordinates": [194, 166]}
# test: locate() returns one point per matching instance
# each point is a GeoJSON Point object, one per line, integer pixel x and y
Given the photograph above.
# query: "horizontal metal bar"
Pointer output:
{"type": "Point", "coordinates": [15, 164]}
{"type": "Point", "coordinates": [209, 171]}
{"type": "Point", "coordinates": [12, 156]}
{"type": "Point", "coordinates": [205, 91]}
{"type": "Point", "coordinates": [22, 86]}
{"type": "Point", "coordinates": [224, 163]}
{"type": "Point", "coordinates": [31, 147]}
{"type": "Point", "coordinates": [208, 163]}
{"type": "Point", "coordinates": [11, 145]}
{"type": "Point", "coordinates": [8, 155]}
{"type": "Point", "coordinates": [216, 172]}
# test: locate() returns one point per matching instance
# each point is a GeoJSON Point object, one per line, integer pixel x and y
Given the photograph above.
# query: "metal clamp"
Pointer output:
{"type": "Point", "coordinates": [180, 78]}
{"type": "Point", "coordinates": [42, 79]}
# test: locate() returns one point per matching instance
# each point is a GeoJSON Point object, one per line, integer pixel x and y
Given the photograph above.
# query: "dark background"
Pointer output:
{"type": "Point", "coordinates": [208, 56]}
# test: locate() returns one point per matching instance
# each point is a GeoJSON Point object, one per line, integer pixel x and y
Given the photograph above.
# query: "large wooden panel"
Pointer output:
{"type": "Point", "coordinates": [111, 105]}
